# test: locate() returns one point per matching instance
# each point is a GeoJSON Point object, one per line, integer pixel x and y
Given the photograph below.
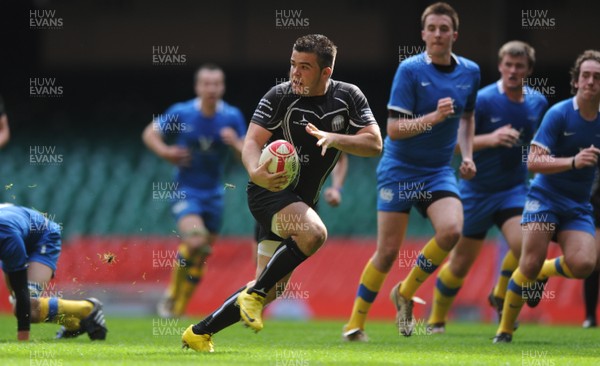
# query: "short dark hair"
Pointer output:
{"type": "Point", "coordinates": [517, 49]}
{"type": "Point", "coordinates": [440, 9]}
{"type": "Point", "coordinates": [210, 67]}
{"type": "Point", "coordinates": [319, 45]}
{"type": "Point", "coordinates": [586, 55]}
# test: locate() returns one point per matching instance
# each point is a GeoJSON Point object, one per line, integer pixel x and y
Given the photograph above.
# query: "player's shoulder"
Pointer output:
{"type": "Point", "coordinates": [467, 64]}
{"type": "Point", "coordinates": [344, 87]}
{"type": "Point", "coordinates": [415, 62]}
{"type": "Point", "coordinates": [229, 109]}
{"type": "Point", "coordinates": [183, 106]}
{"type": "Point", "coordinates": [488, 91]}
{"type": "Point", "coordinates": [561, 110]}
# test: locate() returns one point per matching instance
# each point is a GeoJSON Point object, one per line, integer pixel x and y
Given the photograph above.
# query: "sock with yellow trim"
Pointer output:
{"type": "Point", "coordinates": [370, 283]}
{"type": "Point", "coordinates": [427, 262]}
{"type": "Point", "coordinates": [509, 264]}
{"type": "Point", "coordinates": [64, 312]}
{"type": "Point", "coordinates": [193, 275]}
{"type": "Point", "coordinates": [446, 288]}
{"type": "Point", "coordinates": [514, 300]}
{"type": "Point", "coordinates": [555, 267]}
{"type": "Point", "coordinates": [179, 272]}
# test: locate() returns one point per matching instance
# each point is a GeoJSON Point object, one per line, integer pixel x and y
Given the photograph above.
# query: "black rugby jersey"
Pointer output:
{"type": "Point", "coordinates": [342, 109]}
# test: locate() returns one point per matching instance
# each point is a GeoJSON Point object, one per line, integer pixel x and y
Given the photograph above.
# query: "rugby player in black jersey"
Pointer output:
{"type": "Point", "coordinates": [321, 117]}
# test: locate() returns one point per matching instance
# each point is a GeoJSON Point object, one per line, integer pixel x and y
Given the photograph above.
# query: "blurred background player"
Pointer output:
{"type": "Point", "coordinates": [204, 129]}
{"type": "Point", "coordinates": [431, 107]}
{"type": "Point", "coordinates": [4, 129]}
{"type": "Point", "coordinates": [311, 105]}
{"type": "Point", "coordinates": [506, 117]}
{"type": "Point", "coordinates": [591, 283]}
{"type": "Point", "coordinates": [564, 154]}
{"type": "Point", "coordinates": [29, 248]}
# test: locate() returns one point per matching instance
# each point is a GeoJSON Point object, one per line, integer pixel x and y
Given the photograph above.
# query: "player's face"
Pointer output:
{"type": "Point", "coordinates": [438, 35]}
{"type": "Point", "coordinates": [210, 86]}
{"type": "Point", "coordinates": [513, 69]}
{"type": "Point", "coordinates": [306, 77]}
{"type": "Point", "coordinates": [588, 82]}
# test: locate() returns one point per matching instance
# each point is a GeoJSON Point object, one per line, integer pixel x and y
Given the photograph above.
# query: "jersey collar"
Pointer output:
{"type": "Point", "coordinates": [428, 59]}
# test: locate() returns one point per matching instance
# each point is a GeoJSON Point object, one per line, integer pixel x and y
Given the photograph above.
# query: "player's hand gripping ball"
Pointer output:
{"type": "Point", "coordinates": [283, 158]}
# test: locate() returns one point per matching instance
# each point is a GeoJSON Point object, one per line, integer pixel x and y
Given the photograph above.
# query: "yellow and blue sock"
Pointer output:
{"type": "Point", "coordinates": [555, 267]}
{"type": "Point", "coordinates": [446, 288]}
{"type": "Point", "coordinates": [514, 301]}
{"type": "Point", "coordinates": [370, 283]}
{"type": "Point", "coordinates": [427, 262]}
{"type": "Point", "coordinates": [509, 264]}
{"type": "Point", "coordinates": [64, 312]}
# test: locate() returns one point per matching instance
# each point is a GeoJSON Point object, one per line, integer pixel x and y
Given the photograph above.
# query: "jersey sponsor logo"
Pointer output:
{"type": "Point", "coordinates": [463, 86]}
{"type": "Point", "coordinates": [532, 205]}
{"type": "Point", "coordinates": [568, 133]}
{"type": "Point", "coordinates": [495, 119]}
{"type": "Point", "coordinates": [386, 194]}
{"type": "Point", "coordinates": [337, 123]}
{"type": "Point", "coordinates": [302, 122]}
{"type": "Point", "coordinates": [179, 207]}
{"type": "Point", "coordinates": [425, 83]}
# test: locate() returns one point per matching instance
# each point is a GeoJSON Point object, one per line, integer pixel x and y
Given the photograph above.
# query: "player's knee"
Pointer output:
{"type": "Point", "coordinates": [459, 266]}
{"type": "Point", "coordinates": [315, 238]}
{"type": "Point", "coordinates": [385, 257]}
{"type": "Point", "coordinates": [448, 236]}
{"type": "Point", "coordinates": [531, 266]}
{"type": "Point", "coordinates": [582, 267]}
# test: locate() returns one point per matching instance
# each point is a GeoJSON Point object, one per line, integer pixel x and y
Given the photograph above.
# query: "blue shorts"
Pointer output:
{"type": "Point", "coordinates": [484, 209]}
{"type": "Point", "coordinates": [16, 254]}
{"type": "Point", "coordinates": [559, 212]}
{"type": "Point", "coordinates": [399, 189]}
{"type": "Point", "coordinates": [209, 206]}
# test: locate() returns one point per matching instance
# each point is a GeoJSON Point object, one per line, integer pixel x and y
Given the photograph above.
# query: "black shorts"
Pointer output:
{"type": "Point", "coordinates": [264, 204]}
{"type": "Point", "coordinates": [422, 206]}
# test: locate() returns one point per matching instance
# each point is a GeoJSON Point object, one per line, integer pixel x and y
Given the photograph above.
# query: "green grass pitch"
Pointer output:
{"type": "Point", "coordinates": [151, 341]}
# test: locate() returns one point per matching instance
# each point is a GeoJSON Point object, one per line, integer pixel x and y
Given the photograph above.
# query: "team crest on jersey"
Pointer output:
{"type": "Point", "coordinates": [337, 124]}
{"type": "Point", "coordinates": [205, 143]}
{"type": "Point", "coordinates": [386, 194]}
{"type": "Point", "coordinates": [532, 205]}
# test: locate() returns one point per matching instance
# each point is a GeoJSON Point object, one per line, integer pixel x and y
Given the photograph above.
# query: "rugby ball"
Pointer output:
{"type": "Point", "coordinates": [283, 158]}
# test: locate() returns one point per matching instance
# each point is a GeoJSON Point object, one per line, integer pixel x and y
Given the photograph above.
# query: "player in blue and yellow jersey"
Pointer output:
{"type": "Point", "coordinates": [499, 170]}
{"type": "Point", "coordinates": [204, 130]}
{"type": "Point", "coordinates": [431, 107]}
{"type": "Point", "coordinates": [564, 154]}
{"type": "Point", "coordinates": [506, 117]}
{"type": "Point", "coordinates": [30, 244]}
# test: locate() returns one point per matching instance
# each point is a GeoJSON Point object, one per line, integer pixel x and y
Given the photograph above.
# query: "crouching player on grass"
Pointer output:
{"type": "Point", "coordinates": [29, 248]}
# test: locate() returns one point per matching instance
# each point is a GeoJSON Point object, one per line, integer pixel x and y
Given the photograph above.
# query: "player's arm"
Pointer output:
{"type": "Point", "coordinates": [366, 142]}
{"type": "Point", "coordinates": [466, 131]}
{"type": "Point", "coordinates": [173, 154]}
{"type": "Point", "coordinates": [539, 160]}
{"type": "Point", "coordinates": [401, 126]}
{"type": "Point", "coordinates": [256, 138]}
{"type": "Point", "coordinates": [505, 136]}
{"type": "Point", "coordinates": [333, 194]}
{"type": "Point", "coordinates": [4, 130]}
{"type": "Point", "coordinates": [230, 137]}
{"type": "Point", "coordinates": [18, 282]}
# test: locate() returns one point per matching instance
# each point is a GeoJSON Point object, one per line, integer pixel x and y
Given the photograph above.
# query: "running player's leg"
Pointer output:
{"type": "Point", "coordinates": [304, 233]}
{"type": "Point", "coordinates": [591, 288]}
{"type": "Point", "coordinates": [192, 253]}
{"type": "Point", "coordinates": [450, 279]}
{"type": "Point", "coordinates": [446, 215]}
{"type": "Point", "coordinates": [533, 253]}
{"type": "Point", "coordinates": [391, 230]}
{"type": "Point", "coordinates": [511, 230]}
